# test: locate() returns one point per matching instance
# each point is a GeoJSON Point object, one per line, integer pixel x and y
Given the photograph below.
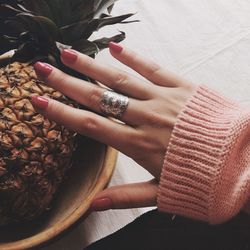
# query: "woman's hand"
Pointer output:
{"type": "Point", "coordinates": [146, 125]}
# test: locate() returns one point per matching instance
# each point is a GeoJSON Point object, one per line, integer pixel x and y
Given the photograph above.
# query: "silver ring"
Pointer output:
{"type": "Point", "coordinates": [114, 104]}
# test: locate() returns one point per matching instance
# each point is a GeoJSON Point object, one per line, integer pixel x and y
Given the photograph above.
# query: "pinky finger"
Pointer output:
{"type": "Point", "coordinates": [126, 196]}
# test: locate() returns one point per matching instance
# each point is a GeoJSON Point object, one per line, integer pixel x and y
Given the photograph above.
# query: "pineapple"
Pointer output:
{"type": "Point", "coordinates": [35, 153]}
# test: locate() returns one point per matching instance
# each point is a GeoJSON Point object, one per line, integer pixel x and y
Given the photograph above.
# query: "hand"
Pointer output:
{"type": "Point", "coordinates": [146, 125]}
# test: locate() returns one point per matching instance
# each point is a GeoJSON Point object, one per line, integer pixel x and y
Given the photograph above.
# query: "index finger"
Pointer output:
{"type": "Point", "coordinates": [145, 67]}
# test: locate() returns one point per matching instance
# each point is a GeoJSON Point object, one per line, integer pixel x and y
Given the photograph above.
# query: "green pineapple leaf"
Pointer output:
{"type": "Point", "coordinates": [96, 24]}
{"type": "Point", "coordinates": [39, 7]}
{"type": "Point", "coordinates": [7, 11]}
{"type": "Point", "coordinates": [55, 9]}
{"type": "Point", "coordinates": [91, 48]}
{"type": "Point", "coordinates": [104, 5]}
{"type": "Point", "coordinates": [103, 43]}
{"type": "Point", "coordinates": [41, 28]}
{"type": "Point", "coordinates": [84, 29]}
{"type": "Point", "coordinates": [86, 47]}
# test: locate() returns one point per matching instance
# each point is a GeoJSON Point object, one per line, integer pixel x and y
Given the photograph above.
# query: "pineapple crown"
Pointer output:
{"type": "Point", "coordinates": [39, 29]}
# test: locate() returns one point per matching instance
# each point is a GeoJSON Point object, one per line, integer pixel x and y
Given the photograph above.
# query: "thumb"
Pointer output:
{"type": "Point", "coordinates": [126, 196]}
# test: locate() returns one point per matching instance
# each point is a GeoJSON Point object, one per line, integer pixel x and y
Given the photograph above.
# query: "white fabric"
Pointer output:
{"type": "Point", "coordinates": [205, 41]}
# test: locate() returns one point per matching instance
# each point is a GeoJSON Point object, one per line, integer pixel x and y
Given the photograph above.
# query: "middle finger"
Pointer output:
{"type": "Point", "coordinates": [113, 78]}
{"type": "Point", "coordinates": [86, 93]}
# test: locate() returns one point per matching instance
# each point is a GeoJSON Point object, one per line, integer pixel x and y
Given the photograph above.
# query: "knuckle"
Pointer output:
{"type": "Point", "coordinates": [56, 111]}
{"type": "Point", "coordinates": [88, 125]}
{"type": "Point", "coordinates": [120, 80]}
{"type": "Point", "coordinates": [154, 118]}
{"type": "Point", "coordinates": [154, 68]}
{"type": "Point", "coordinates": [133, 140]}
{"type": "Point", "coordinates": [128, 200]}
{"type": "Point", "coordinates": [157, 119]}
{"type": "Point", "coordinates": [132, 57]}
{"type": "Point", "coordinates": [94, 97]}
{"type": "Point", "coordinates": [88, 62]}
{"type": "Point", "coordinates": [122, 199]}
{"type": "Point", "coordinates": [60, 80]}
{"type": "Point", "coordinates": [56, 108]}
{"type": "Point", "coordinates": [139, 146]}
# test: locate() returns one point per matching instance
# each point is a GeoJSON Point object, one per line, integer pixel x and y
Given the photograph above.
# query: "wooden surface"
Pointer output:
{"type": "Point", "coordinates": [205, 41]}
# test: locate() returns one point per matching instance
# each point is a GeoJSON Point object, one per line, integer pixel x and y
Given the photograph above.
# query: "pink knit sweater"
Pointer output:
{"type": "Point", "coordinates": [206, 171]}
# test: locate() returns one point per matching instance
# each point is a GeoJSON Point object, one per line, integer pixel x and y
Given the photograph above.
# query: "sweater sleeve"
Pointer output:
{"type": "Point", "coordinates": [206, 170]}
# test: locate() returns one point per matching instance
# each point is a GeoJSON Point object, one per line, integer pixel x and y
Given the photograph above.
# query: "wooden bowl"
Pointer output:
{"type": "Point", "coordinates": [92, 171]}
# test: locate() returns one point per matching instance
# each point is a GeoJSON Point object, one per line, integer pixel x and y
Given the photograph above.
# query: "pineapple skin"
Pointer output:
{"type": "Point", "coordinates": [35, 153]}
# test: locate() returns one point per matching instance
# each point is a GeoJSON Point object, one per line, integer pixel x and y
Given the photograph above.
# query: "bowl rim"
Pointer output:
{"type": "Point", "coordinates": [104, 177]}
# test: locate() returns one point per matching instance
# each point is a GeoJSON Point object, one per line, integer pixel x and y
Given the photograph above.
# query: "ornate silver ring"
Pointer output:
{"type": "Point", "coordinates": [114, 104]}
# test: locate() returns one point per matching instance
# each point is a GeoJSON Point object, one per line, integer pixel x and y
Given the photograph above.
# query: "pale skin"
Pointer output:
{"type": "Point", "coordinates": [144, 130]}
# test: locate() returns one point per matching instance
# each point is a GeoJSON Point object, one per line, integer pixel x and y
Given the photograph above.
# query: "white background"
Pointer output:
{"type": "Point", "coordinates": [205, 41]}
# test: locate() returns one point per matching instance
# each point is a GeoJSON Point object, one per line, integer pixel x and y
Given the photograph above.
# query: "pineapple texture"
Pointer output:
{"type": "Point", "coordinates": [35, 153]}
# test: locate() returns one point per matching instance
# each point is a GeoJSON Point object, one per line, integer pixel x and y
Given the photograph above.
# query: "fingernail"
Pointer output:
{"type": "Point", "coordinates": [69, 56]}
{"type": "Point", "coordinates": [43, 69]}
{"type": "Point", "coordinates": [40, 102]}
{"type": "Point", "coordinates": [117, 48]}
{"type": "Point", "coordinates": [101, 204]}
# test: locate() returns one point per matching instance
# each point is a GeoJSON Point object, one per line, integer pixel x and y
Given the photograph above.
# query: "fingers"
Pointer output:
{"type": "Point", "coordinates": [84, 92]}
{"type": "Point", "coordinates": [85, 122]}
{"type": "Point", "coordinates": [150, 70]}
{"type": "Point", "coordinates": [126, 196]}
{"type": "Point", "coordinates": [113, 78]}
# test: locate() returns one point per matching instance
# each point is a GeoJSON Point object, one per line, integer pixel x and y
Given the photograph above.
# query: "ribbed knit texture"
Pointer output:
{"type": "Point", "coordinates": [206, 171]}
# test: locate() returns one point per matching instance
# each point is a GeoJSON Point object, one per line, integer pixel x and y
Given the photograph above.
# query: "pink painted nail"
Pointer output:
{"type": "Point", "coordinates": [101, 204]}
{"type": "Point", "coordinates": [69, 56]}
{"type": "Point", "coordinates": [43, 69]}
{"type": "Point", "coordinates": [115, 47]}
{"type": "Point", "coordinates": [40, 102]}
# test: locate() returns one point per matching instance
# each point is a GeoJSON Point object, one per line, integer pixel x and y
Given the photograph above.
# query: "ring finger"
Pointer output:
{"type": "Point", "coordinates": [86, 93]}
{"type": "Point", "coordinates": [86, 123]}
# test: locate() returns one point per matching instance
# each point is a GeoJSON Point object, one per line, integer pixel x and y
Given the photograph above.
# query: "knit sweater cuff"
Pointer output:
{"type": "Point", "coordinates": [196, 174]}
